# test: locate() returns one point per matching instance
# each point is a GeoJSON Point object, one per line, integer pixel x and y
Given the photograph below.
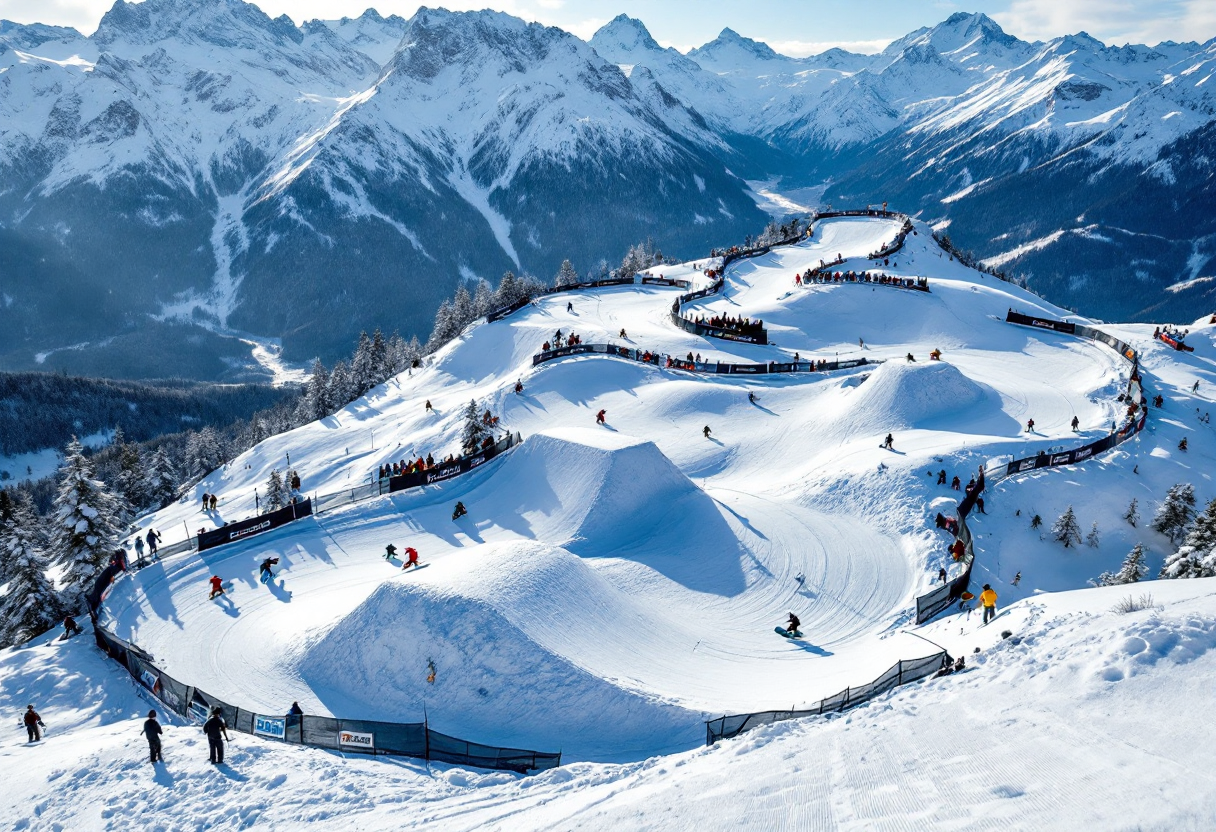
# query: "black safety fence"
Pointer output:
{"type": "Point", "coordinates": [647, 280]}
{"type": "Point", "coordinates": [243, 529]}
{"type": "Point", "coordinates": [951, 592]}
{"type": "Point", "coordinates": [401, 482]}
{"type": "Point", "coordinates": [499, 314]}
{"type": "Point", "coordinates": [901, 673]}
{"type": "Point", "coordinates": [757, 335]}
{"type": "Point", "coordinates": [663, 360]}
{"type": "Point", "coordinates": [410, 739]}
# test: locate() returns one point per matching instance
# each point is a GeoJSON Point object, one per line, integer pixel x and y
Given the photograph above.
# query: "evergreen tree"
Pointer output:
{"type": "Point", "coordinates": [129, 482]}
{"type": "Point", "coordinates": [483, 299]}
{"type": "Point", "coordinates": [204, 453]}
{"type": "Point", "coordinates": [83, 532]}
{"type": "Point", "coordinates": [362, 369]}
{"type": "Point", "coordinates": [462, 310]}
{"type": "Point", "coordinates": [340, 388]}
{"type": "Point", "coordinates": [1133, 568]}
{"type": "Point", "coordinates": [314, 404]}
{"type": "Point", "coordinates": [507, 292]}
{"type": "Point", "coordinates": [445, 326]}
{"type": "Point", "coordinates": [1092, 538]}
{"type": "Point", "coordinates": [1065, 530]}
{"type": "Point", "coordinates": [31, 606]}
{"type": "Point", "coordinates": [474, 430]}
{"type": "Point", "coordinates": [566, 275]}
{"type": "Point", "coordinates": [1176, 513]}
{"type": "Point", "coordinates": [8, 508]}
{"type": "Point", "coordinates": [1132, 515]}
{"type": "Point", "coordinates": [276, 494]}
{"type": "Point", "coordinates": [381, 367]}
{"type": "Point", "coordinates": [1196, 557]}
{"type": "Point", "coordinates": [160, 480]}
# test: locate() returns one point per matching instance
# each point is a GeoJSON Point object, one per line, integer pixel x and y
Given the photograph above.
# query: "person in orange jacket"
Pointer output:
{"type": "Point", "coordinates": [988, 601]}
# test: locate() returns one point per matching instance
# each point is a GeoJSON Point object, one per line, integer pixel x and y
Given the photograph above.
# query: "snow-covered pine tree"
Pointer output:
{"type": "Point", "coordinates": [462, 309]}
{"type": "Point", "coordinates": [83, 533]}
{"type": "Point", "coordinates": [474, 430]}
{"type": "Point", "coordinates": [380, 362]}
{"type": "Point", "coordinates": [205, 452]}
{"type": "Point", "coordinates": [1092, 538]}
{"type": "Point", "coordinates": [362, 371]}
{"type": "Point", "coordinates": [276, 494]}
{"type": "Point", "coordinates": [129, 484]}
{"type": "Point", "coordinates": [1196, 557]}
{"type": "Point", "coordinates": [1065, 530]}
{"type": "Point", "coordinates": [1176, 513]}
{"type": "Point", "coordinates": [566, 275]}
{"type": "Point", "coordinates": [1132, 515]}
{"type": "Point", "coordinates": [340, 387]}
{"type": "Point", "coordinates": [1133, 569]}
{"type": "Point", "coordinates": [314, 404]}
{"type": "Point", "coordinates": [160, 480]}
{"type": "Point", "coordinates": [507, 292]}
{"type": "Point", "coordinates": [445, 328]}
{"type": "Point", "coordinates": [483, 299]}
{"type": "Point", "coordinates": [31, 606]}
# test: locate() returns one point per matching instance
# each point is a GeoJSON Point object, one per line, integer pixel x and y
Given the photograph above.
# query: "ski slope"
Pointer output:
{"type": "Point", "coordinates": [613, 586]}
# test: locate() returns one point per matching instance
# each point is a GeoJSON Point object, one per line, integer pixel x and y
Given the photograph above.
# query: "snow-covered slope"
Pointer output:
{"type": "Point", "coordinates": [612, 586]}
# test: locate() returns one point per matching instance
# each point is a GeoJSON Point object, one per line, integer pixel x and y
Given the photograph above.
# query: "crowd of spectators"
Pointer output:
{"type": "Point", "coordinates": [737, 323]}
{"type": "Point", "coordinates": [825, 276]}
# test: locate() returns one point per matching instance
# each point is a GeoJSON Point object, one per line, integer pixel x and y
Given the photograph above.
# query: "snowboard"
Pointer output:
{"type": "Point", "coordinates": [415, 568]}
{"type": "Point", "coordinates": [267, 577]}
{"type": "Point", "coordinates": [784, 633]}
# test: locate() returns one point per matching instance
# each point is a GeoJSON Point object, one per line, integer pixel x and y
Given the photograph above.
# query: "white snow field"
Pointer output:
{"type": "Point", "coordinates": [614, 586]}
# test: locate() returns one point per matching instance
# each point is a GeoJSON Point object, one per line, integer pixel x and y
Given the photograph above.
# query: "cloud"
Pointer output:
{"type": "Point", "coordinates": [803, 48]}
{"type": "Point", "coordinates": [1112, 21]}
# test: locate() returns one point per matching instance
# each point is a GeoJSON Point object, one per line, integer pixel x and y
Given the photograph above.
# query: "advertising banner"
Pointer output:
{"type": "Point", "coordinates": [451, 469]}
{"type": "Point", "coordinates": [150, 680]}
{"type": "Point", "coordinates": [356, 741]}
{"type": "Point", "coordinates": [254, 525]}
{"type": "Point", "coordinates": [270, 726]}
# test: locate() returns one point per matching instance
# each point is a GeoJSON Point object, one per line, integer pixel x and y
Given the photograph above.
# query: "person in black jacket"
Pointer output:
{"type": "Point", "coordinates": [217, 734]}
{"type": "Point", "coordinates": [152, 732]}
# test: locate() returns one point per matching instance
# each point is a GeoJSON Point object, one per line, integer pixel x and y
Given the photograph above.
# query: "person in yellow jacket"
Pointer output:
{"type": "Point", "coordinates": [988, 602]}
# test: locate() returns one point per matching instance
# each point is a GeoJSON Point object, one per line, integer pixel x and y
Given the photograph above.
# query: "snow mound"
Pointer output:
{"type": "Point", "coordinates": [517, 633]}
{"type": "Point", "coordinates": [902, 395]}
{"type": "Point", "coordinates": [599, 492]}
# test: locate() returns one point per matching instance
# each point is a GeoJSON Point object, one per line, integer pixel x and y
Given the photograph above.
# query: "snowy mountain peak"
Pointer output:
{"type": "Point", "coordinates": [730, 50]}
{"type": "Point", "coordinates": [625, 32]}
{"type": "Point", "coordinates": [30, 36]}
{"type": "Point", "coordinates": [223, 23]}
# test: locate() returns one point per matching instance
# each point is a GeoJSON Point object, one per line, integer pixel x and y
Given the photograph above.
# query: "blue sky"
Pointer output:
{"type": "Point", "coordinates": [795, 27]}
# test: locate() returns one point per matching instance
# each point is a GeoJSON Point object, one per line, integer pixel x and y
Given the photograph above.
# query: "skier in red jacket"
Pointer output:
{"type": "Point", "coordinates": [411, 557]}
{"type": "Point", "coordinates": [599, 417]}
{"type": "Point", "coordinates": [217, 587]}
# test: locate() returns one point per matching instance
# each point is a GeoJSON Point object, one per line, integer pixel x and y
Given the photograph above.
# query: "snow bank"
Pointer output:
{"type": "Point", "coordinates": [902, 395]}
{"type": "Point", "coordinates": [500, 626]}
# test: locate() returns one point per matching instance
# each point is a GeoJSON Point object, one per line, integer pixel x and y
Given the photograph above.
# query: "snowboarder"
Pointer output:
{"type": "Point", "coordinates": [32, 723]}
{"type": "Point", "coordinates": [936, 355]}
{"type": "Point", "coordinates": [956, 484]}
{"type": "Point", "coordinates": [792, 625]}
{"type": "Point", "coordinates": [751, 397]}
{"type": "Point", "coordinates": [861, 343]}
{"type": "Point", "coordinates": [428, 406]}
{"type": "Point", "coordinates": [1017, 579]}
{"type": "Point", "coordinates": [519, 387]}
{"type": "Point", "coordinates": [390, 552]}
{"type": "Point", "coordinates": [70, 627]}
{"type": "Point", "coordinates": [459, 511]}
{"type": "Point", "coordinates": [217, 587]}
{"type": "Point", "coordinates": [623, 335]}
{"type": "Point", "coordinates": [911, 359]}
{"type": "Point", "coordinates": [979, 505]}
{"type": "Point", "coordinates": [266, 570]}
{"type": "Point", "coordinates": [295, 481]}
{"type": "Point", "coordinates": [206, 500]}
{"type": "Point", "coordinates": [217, 734]}
{"type": "Point", "coordinates": [152, 731]}
{"type": "Point", "coordinates": [139, 551]}
{"type": "Point", "coordinates": [988, 601]}
{"type": "Point", "coordinates": [214, 502]}
{"type": "Point", "coordinates": [1195, 387]}
{"type": "Point", "coordinates": [941, 574]}
{"type": "Point", "coordinates": [1030, 425]}
{"type": "Point", "coordinates": [153, 539]}
{"type": "Point", "coordinates": [889, 442]}
{"type": "Point", "coordinates": [706, 431]}
{"type": "Point", "coordinates": [1182, 444]}
{"type": "Point", "coordinates": [569, 306]}
{"type": "Point", "coordinates": [941, 477]}
{"type": "Point", "coordinates": [1075, 423]}
{"type": "Point", "coordinates": [599, 417]}
{"type": "Point", "coordinates": [411, 555]}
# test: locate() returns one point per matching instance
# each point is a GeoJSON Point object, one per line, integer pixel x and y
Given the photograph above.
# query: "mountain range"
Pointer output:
{"type": "Point", "coordinates": [196, 175]}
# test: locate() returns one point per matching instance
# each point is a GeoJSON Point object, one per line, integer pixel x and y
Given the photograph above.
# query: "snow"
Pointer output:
{"type": "Point", "coordinates": [613, 586]}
